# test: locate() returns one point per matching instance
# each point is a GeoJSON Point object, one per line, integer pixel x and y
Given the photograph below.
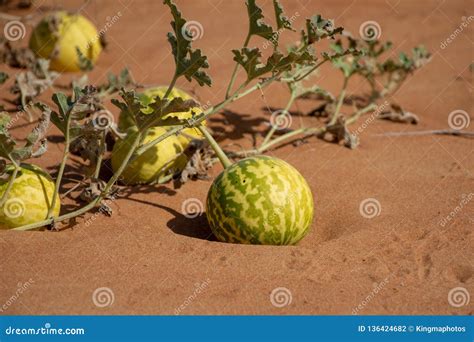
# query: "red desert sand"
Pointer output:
{"type": "Point", "coordinates": [150, 259]}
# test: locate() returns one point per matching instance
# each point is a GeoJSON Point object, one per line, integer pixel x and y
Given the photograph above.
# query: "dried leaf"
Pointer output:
{"type": "Point", "coordinates": [318, 28]}
{"type": "Point", "coordinates": [339, 133]}
{"type": "Point", "coordinates": [22, 58]}
{"type": "Point", "coordinates": [199, 155]}
{"type": "Point", "coordinates": [397, 114]}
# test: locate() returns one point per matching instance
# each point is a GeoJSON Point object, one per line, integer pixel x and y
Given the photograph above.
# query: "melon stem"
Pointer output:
{"type": "Point", "coordinates": [225, 161]}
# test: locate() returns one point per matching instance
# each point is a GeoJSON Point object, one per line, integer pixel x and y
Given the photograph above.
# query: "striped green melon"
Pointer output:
{"type": "Point", "coordinates": [260, 200]}
{"type": "Point", "coordinates": [29, 198]}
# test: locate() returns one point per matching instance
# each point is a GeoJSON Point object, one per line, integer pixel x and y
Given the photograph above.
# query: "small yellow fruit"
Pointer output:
{"type": "Point", "coordinates": [187, 134]}
{"type": "Point", "coordinates": [157, 164]}
{"type": "Point", "coordinates": [29, 198]}
{"type": "Point", "coordinates": [58, 36]}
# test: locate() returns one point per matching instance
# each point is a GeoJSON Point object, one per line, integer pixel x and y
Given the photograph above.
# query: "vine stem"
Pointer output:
{"type": "Point", "coordinates": [100, 156]}
{"type": "Point", "coordinates": [171, 86]}
{"type": "Point", "coordinates": [10, 182]}
{"type": "Point", "coordinates": [306, 131]}
{"type": "Point", "coordinates": [225, 161]}
{"type": "Point", "coordinates": [237, 95]}
{"type": "Point", "coordinates": [95, 201]}
{"type": "Point", "coordinates": [59, 177]}
{"type": "Point", "coordinates": [274, 127]}
{"type": "Point", "coordinates": [354, 117]}
{"type": "Point", "coordinates": [339, 102]}
{"type": "Point", "coordinates": [234, 73]}
{"type": "Point", "coordinates": [301, 77]}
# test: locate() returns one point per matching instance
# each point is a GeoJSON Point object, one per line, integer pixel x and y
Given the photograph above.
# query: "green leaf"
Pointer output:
{"type": "Point", "coordinates": [318, 28]}
{"type": "Point", "coordinates": [189, 62]}
{"type": "Point", "coordinates": [282, 21]}
{"type": "Point", "coordinates": [85, 64]}
{"type": "Point", "coordinates": [165, 112]}
{"type": "Point", "coordinates": [63, 105]}
{"type": "Point", "coordinates": [192, 67]}
{"type": "Point", "coordinates": [250, 60]}
{"type": "Point", "coordinates": [3, 77]}
{"type": "Point", "coordinates": [257, 26]}
{"type": "Point", "coordinates": [7, 143]}
{"type": "Point", "coordinates": [148, 113]}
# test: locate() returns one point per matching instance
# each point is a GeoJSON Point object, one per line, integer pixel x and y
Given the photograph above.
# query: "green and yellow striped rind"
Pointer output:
{"type": "Point", "coordinates": [260, 200]}
{"type": "Point", "coordinates": [29, 198]}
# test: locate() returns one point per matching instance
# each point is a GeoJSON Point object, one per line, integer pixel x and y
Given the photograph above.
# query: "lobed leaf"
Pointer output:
{"type": "Point", "coordinates": [318, 28]}
{"type": "Point", "coordinates": [282, 21]}
{"type": "Point", "coordinates": [189, 62]}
